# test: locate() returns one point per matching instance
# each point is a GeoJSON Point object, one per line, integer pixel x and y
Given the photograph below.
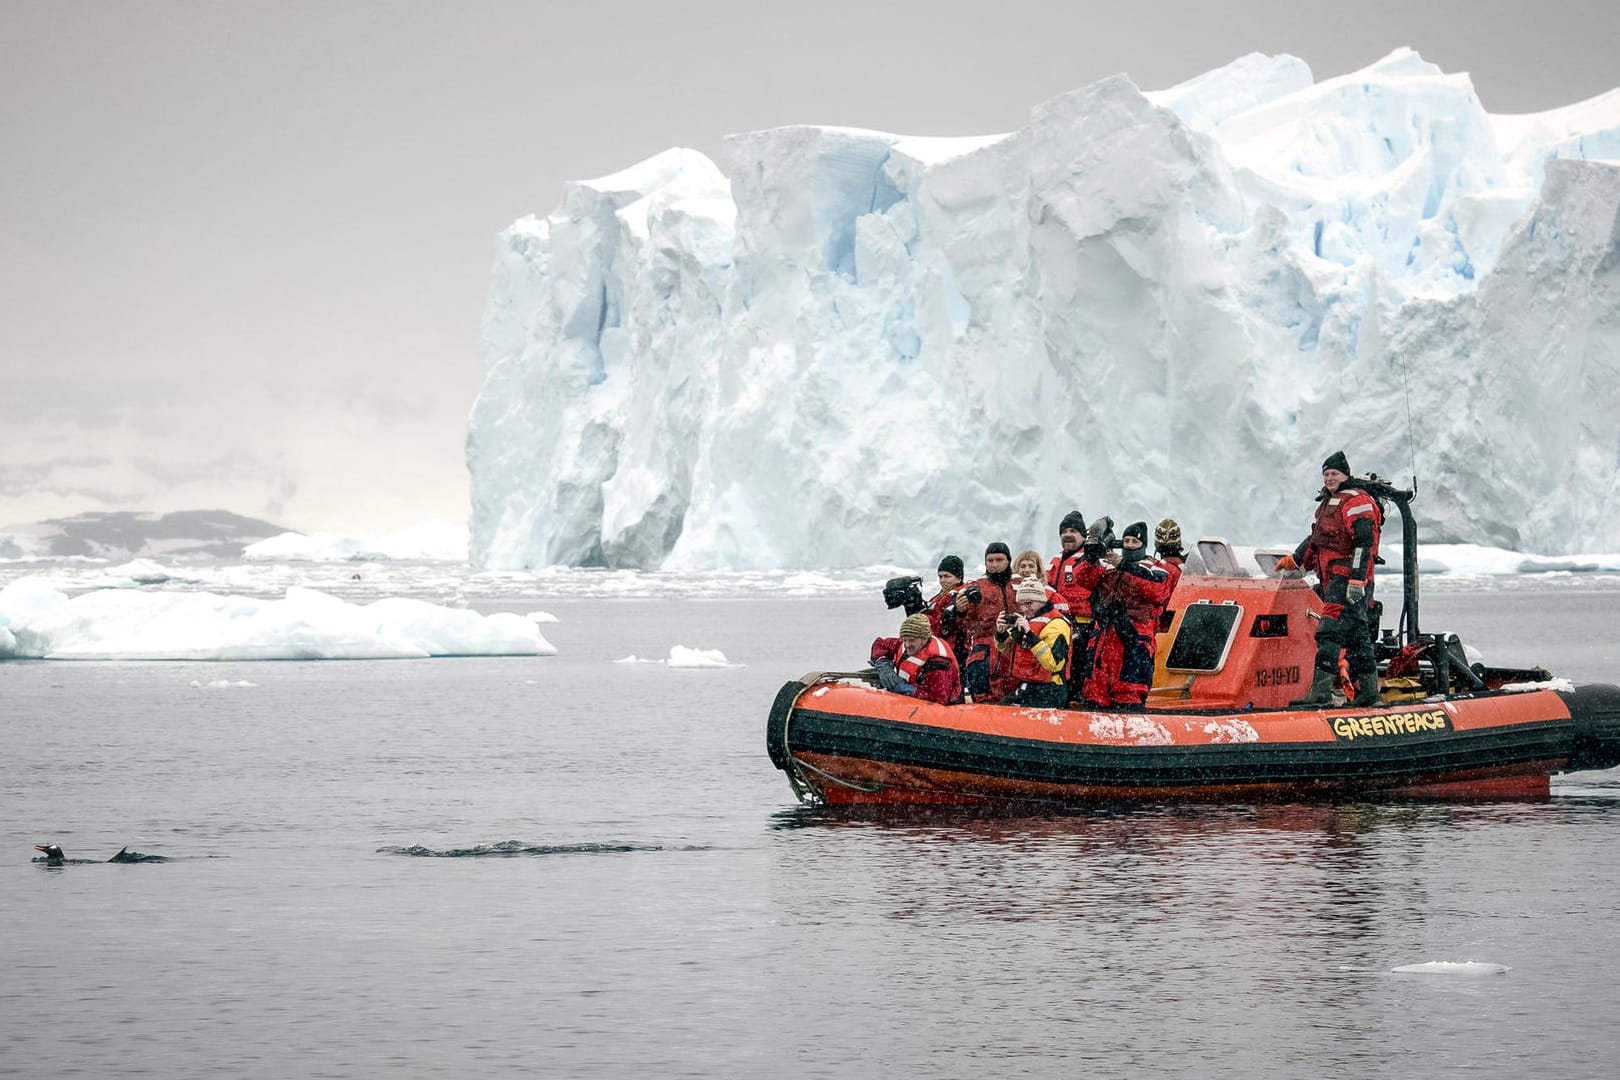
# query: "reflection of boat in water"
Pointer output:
{"type": "Point", "coordinates": [1234, 649]}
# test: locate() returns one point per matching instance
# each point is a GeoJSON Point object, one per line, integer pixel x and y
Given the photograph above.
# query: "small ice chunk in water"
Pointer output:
{"type": "Point", "coordinates": [1452, 967]}
{"type": "Point", "coordinates": [682, 657]}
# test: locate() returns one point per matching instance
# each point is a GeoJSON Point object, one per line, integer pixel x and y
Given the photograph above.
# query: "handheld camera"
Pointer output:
{"type": "Point", "coordinates": [904, 592]}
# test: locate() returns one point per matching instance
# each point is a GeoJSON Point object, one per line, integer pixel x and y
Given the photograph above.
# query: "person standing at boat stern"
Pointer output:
{"type": "Point", "coordinates": [986, 675]}
{"type": "Point", "coordinates": [1037, 640]}
{"type": "Point", "coordinates": [1342, 548]}
{"type": "Point", "coordinates": [1127, 600]}
{"type": "Point", "coordinates": [917, 663]}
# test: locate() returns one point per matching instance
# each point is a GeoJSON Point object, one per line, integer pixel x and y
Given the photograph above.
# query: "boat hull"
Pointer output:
{"type": "Point", "coordinates": [847, 744]}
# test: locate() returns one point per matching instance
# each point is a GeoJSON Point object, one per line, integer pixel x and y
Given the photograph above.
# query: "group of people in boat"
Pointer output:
{"type": "Point", "coordinates": [1084, 631]}
{"type": "Point", "coordinates": [1081, 629]}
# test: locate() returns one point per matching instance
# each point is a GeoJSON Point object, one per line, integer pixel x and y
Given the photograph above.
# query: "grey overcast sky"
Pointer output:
{"type": "Point", "coordinates": [244, 247]}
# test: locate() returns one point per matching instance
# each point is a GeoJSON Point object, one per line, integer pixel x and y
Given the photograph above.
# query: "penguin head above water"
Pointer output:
{"type": "Point", "coordinates": [54, 857]}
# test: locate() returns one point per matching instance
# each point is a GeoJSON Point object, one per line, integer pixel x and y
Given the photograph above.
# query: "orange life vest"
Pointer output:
{"type": "Point", "coordinates": [910, 668]}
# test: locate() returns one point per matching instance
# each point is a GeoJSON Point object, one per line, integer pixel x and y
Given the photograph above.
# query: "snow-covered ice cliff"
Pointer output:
{"type": "Point", "coordinates": [850, 347]}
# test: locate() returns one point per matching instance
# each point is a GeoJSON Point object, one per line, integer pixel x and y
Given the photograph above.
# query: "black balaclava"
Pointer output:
{"type": "Point", "coordinates": [998, 548]}
{"type": "Point", "coordinates": [1137, 529]}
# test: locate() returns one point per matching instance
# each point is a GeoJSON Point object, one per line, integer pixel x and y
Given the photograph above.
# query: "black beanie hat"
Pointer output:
{"type": "Point", "coordinates": [1137, 529]}
{"type": "Point", "coordinates": [1072, 520]}
{"type": "Point", "coordinates": [952, 564]}
{"type": "Point", "coordinates": [998, 548]}
{"type": "Point", "coordinates": [1337, 460]}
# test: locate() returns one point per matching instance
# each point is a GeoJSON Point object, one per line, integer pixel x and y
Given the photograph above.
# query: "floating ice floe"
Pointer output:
{"type": "Point", "coordinates": [1479, 559]}
{"type": "Point", "coordinates": [1452, 967]}
{"type": "Point", "coordinates": [682, 657]}
{"type": "Point", "coordinates": [541, 617]}
{"type": "Point", "coordinates": [429, 542]}
{"type": "Point", "coordinates": [37, 621]}
{"type": "Point", "coordinates": [135, 573]}
{"type": "Point", "coordinates": [223, 684]}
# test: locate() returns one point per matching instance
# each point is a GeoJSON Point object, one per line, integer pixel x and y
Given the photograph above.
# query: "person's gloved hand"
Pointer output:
{"type": "Point", "coordinates": [1286, 563]}
{"type": "Point", "coordinates": [1356, 592]}
{"type": "Point", "coordinates": [888, 678]}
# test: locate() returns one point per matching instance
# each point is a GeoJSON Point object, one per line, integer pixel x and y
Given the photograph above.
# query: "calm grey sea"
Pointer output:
{"type": "Point", "coordinates": [570, 867]}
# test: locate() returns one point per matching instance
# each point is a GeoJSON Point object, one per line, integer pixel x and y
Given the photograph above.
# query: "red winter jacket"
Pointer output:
{"type": "Point", "coordinates": [1344, 536]}
{"type": "Point", "coordinates": [1064, 577]}
{"type": "Point", "coordinates": [1140, 592]}
{"type": "Point", "coordinates": [933, 671]}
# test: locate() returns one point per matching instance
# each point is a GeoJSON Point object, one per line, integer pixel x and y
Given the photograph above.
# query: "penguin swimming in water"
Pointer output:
{"type": "Point", "coordinates": [54, 857]}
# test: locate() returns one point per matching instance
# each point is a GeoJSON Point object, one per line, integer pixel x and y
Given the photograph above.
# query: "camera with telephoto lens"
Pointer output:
{"type": "Point", "coordinates": [974, 594]}
{"type": "Point", "coordinates": [904, 592]}
{"type": "Point", "coordinates": [1100, 537]}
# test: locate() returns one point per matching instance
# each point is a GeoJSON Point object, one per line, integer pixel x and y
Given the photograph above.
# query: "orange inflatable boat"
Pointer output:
{"type": "Point", "coordinates": [1234, 650]}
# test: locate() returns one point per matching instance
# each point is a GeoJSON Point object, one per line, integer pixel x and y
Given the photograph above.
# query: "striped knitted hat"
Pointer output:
{"type": "Point", "coordinates": [916, 626]}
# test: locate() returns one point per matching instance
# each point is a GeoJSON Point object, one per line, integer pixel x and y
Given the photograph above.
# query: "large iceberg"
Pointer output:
{"type": "Point", "coordinates": [851, 347]}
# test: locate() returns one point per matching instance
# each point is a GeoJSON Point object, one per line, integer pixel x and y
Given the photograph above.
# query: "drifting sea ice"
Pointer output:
{"type": "Point", "coordinates": [135, 573]}
{"type": "Point", "coordinates": [682, 657]}
{"type": "Point", "coordinates": [431, 541]}
{"type": "Point", "coordinates": [37, 621]}
{"type": "Point", "coordinates": [1453, 967]}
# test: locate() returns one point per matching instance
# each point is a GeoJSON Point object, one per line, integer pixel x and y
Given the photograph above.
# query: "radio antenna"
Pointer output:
{"type": "Point", "coordinates": [1411, 444]}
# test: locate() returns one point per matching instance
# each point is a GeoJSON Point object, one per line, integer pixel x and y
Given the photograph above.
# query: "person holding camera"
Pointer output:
{"type": "Point", "coordinates": [1036, 639]}
{"type": "Point", "coordinates": [1342, 548]}
{"type": "Point", "coordinates": [1128, 594]}
{"type": "Point", "coordinates": [941, 610]}
{"type": "Point", "coordinates": [917, 663]}
{"type": "Point", "coordinates": [986, 676]}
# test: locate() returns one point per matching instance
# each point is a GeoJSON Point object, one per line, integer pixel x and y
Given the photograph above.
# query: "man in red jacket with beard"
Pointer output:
{"type": "Point", "coordinates": [1063, 575]}
{"type": "Point", "coordinates": [1126, 602]}
{"type": "Point", "coordinates": [1342, 548]}
{"type": "Point", "coordinates": [987, 673]}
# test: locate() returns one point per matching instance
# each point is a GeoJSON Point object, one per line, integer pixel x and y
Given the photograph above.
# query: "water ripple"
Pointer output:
{"type": "Point", "coordinates": [507, 849]}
